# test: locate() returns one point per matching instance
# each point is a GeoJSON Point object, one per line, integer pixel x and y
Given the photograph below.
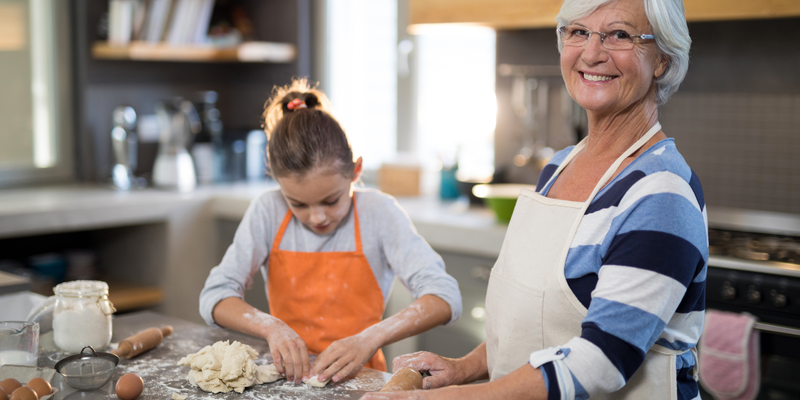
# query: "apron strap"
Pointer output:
{"type": "Point", "coordinates": [357, 226]}
{"type": "Point", "coordinates": [279, 236]}
{"type": "Point", "coordinates": [610, 172]}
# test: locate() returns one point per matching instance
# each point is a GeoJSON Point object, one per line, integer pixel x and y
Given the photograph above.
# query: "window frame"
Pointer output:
{"type": "Point", "coordinates": [63, 122]}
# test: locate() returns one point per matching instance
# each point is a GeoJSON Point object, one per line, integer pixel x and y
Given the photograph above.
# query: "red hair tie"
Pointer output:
{"type": "Point", "coordinates": [296, 104]}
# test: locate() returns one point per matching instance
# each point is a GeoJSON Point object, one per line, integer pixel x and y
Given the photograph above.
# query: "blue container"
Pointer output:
{"type": "Point", "coordinates": [448, 190]}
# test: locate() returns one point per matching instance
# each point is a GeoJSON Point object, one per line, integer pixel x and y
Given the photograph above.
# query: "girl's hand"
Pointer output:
{"type": "Point", "coordinates": [289, 352]}
{"type": "Point", "coordinates": [443, 371]}
{"type": "Point", "coordinates": [344, 357]}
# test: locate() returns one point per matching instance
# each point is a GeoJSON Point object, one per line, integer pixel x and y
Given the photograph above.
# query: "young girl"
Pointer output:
{"type": "Point", "coordinates": [328, 253]}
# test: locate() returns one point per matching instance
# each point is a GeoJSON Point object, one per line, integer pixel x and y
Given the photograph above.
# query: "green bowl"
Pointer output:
{"type": "Point", "coordinates": [500, 197]}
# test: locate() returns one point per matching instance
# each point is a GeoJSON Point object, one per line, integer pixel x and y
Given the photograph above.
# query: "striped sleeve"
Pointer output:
{"type": "Point", "coordinates": [648, 234]}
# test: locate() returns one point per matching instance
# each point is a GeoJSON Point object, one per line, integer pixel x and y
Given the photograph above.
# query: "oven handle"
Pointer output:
{"type": "Point", "coordinates": [779, 329]}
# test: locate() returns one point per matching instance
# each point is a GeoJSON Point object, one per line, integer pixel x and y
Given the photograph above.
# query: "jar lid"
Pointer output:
{"type": "Point", "coordinates": [87, 370]}
{"type": "Point", "coordinates": [81, 288]}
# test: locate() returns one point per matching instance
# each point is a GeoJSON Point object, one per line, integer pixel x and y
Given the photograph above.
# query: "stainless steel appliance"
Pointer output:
{"type": "Point", "coordinates": [754, 267]}
{"type": "Point", "coordinates": [124, 142]}
{"type": "Point", "coordinates": [179, 123]}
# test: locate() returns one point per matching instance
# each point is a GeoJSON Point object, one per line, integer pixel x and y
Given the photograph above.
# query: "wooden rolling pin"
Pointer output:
{"type": "Point", "coordinates": [404, 379]}
{"type": "Point", "coordinates": [139, 343]}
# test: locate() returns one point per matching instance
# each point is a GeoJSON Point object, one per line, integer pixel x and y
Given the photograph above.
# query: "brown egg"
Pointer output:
{"type": "Point", "coordinates": [129, 386]}
{"type": "Point", "coordinates": [10, 385]}
{"type": "Point", "coordinates": [24, 393]}
{"type": "Point", "coordinates": [40, 386]}
{"type": "Point", "coordinates": [3, 394]}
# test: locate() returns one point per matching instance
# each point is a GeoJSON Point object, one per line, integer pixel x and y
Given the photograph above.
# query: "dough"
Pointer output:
{"type": "Point", "coordinates": [176, 396]}
{"type": "Point", "coordinates": [313, 381]}
{"type": "Point", "coordinates": [225, 366]}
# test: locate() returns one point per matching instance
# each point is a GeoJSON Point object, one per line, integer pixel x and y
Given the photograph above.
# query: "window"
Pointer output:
{"type": "Point", "coordinates": [451, 90]}
{"type": "Point", "coordinates": [34, 133]}
{"type": "Point", "coordinates": [456, 103]}
{"type": "Point", "coordinates": [361, 79]}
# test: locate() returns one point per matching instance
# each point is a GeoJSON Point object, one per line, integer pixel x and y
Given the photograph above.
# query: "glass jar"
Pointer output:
{"type": "Point", "coordinates": [82, 315]}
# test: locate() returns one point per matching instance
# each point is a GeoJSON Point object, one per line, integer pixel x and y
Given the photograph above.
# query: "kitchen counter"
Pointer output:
{"type": "Point", "coordinates": [170, 240]}
{"type": "Point", "coordinates": [452, 226]}
{"type": "Point", "coordinates": [163, 377]}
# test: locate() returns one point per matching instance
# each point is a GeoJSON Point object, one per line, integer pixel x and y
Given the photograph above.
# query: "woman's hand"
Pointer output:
{"type": "Point", "coordinates": [443, 371]}
{"type": "Point", "coordinates": [288, 351]}
{"type": "Point", "coordinates": [345, 357]}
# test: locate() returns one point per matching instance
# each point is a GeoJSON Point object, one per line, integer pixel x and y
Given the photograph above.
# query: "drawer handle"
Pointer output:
{"type": "Point", "coordinates": [481, 273]}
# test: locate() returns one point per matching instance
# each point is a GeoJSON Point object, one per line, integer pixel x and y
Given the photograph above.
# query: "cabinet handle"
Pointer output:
{"type": "Point", "coordinates": [481, 273]}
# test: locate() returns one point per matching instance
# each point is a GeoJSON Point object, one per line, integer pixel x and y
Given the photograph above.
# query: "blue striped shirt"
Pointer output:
{"type": "Point", "coordinates": [638, 264]}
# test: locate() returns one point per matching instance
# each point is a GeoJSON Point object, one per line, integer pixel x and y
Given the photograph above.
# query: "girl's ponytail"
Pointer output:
{"type": "Point", "coordinates": [302, 133]}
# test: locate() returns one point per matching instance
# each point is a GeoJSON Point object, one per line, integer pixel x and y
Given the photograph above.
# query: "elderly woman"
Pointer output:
{"type": "Point", "coordinates": [599, 288]}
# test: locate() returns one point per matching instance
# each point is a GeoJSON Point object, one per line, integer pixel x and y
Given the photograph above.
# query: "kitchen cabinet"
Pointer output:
{"type": "Point", "coordinates": [113, 255]}
{"type": "Point", "coordinates": [524, 14]}
{"type": "Point", "coordinates": [460, 337]}
{"type": "Point", "coordinates": [140, 76]}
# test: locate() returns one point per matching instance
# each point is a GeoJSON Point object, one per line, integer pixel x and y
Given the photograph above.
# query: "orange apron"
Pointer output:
{"type": "Point", "coordinates": [324, 296]}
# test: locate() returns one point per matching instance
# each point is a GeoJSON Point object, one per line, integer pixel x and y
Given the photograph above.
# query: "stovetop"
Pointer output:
{"type": "Point", "coordinates": [754, 246]}
{"type": "Point", "coordinates": [756, 241]}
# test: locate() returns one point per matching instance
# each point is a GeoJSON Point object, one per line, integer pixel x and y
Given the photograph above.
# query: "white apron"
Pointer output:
{"type": "Point", "coordinates": [529, 305]}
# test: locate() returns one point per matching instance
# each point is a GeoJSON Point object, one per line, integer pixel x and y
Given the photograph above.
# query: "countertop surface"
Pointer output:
{"type": "Point", "coordinates": [452, 225]}
{"type": "Point", "coordinates": [163, 377]}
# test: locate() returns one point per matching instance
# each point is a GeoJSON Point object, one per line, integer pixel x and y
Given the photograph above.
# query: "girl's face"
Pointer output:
{"type": "Point", "coordinates": [321, 199]}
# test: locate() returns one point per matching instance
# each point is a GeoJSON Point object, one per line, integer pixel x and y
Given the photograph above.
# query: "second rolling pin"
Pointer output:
{"type": "Point", "coordinates": [139, 343]}
{"type": "Point", "coordinates": [404, 379]}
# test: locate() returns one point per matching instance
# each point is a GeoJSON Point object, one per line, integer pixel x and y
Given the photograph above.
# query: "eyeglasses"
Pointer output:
{"type": "Point", "coordinates": [577, 36]}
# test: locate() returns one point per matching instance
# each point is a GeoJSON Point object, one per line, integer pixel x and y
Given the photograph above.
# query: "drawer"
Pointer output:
{"type": "Point", "coordinates": [471, 272]}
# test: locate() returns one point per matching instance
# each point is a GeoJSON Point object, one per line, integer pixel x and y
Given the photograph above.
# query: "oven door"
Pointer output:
{"type": "Point", "coordinates": [775, 301]}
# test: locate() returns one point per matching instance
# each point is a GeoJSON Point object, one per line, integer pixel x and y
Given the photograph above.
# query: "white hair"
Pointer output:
{"type": "Point", "coordinates": [667, 19]}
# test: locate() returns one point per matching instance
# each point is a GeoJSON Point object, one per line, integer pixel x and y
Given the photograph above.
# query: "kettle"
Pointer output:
{"type": "Point", "coordinates": [178, 123]}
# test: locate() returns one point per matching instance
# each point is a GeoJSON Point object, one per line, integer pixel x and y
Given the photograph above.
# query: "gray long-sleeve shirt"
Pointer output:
{"type": "Point", "coordinates": [389, 241]}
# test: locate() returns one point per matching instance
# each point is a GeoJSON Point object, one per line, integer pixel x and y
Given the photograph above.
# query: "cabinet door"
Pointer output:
{"type": "Point", "coordinates": [460, 337]}
{"type": "Point", "coordinates": [526, 14]}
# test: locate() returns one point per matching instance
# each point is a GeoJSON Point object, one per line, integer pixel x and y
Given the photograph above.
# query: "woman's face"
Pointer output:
{"type": "Point", "coordinates": [320, 199]}
{"type": "Point", "coordinates": [609, 81]}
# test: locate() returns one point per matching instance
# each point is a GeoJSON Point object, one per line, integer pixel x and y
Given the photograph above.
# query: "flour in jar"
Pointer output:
{"type": "Point", "coordinates": [74, 329]}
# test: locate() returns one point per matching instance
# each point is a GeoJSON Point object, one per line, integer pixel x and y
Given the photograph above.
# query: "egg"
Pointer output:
{"type": "Point", "coordinates": [24, 393]}
{"type": "Point", "coordinates": [3, 394]}
{"type": "Point", "coordinates": [10, 385]}
{"type": "Point", "coordinates": [129, 386]}
{"type": "Point", "coordinates": [40, 386]}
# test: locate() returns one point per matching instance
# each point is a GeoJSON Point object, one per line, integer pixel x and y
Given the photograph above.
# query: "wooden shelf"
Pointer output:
{"type": "Point", "coordinates": [127, 297]}
{"type": "Point", "coordinates": [525, 14]}
{"type": "Point", "coordinates": [265, 52]}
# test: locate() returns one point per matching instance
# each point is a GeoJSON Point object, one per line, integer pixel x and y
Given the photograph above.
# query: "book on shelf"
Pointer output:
{"type": "Point", "coordinates": [177, 22]}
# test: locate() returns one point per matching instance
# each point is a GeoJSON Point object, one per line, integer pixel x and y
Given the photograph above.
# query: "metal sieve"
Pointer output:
{"type": "Point", "coordinates": [87, 371]}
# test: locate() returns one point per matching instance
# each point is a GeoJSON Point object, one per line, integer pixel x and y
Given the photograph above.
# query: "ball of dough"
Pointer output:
{"type": "Point", "coordinates": [129, 386]}
{"type": "Point", "coordinates": [40, 386]}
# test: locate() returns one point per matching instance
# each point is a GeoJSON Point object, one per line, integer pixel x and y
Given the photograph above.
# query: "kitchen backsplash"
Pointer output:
{"type": "Point", "coordinates": [744, 147]}
{"type": "Point", "coordinates": [735, 118]}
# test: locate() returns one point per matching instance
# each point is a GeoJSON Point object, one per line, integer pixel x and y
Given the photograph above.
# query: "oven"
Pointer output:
{"type": "Point", "coordinates": [754, 267]}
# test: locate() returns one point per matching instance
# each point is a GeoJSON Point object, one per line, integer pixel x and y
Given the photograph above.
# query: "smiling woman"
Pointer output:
{"type": "Point", "coordinates": [35, 128]}
{"type": "Point", "coordinates": [599, 287]}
